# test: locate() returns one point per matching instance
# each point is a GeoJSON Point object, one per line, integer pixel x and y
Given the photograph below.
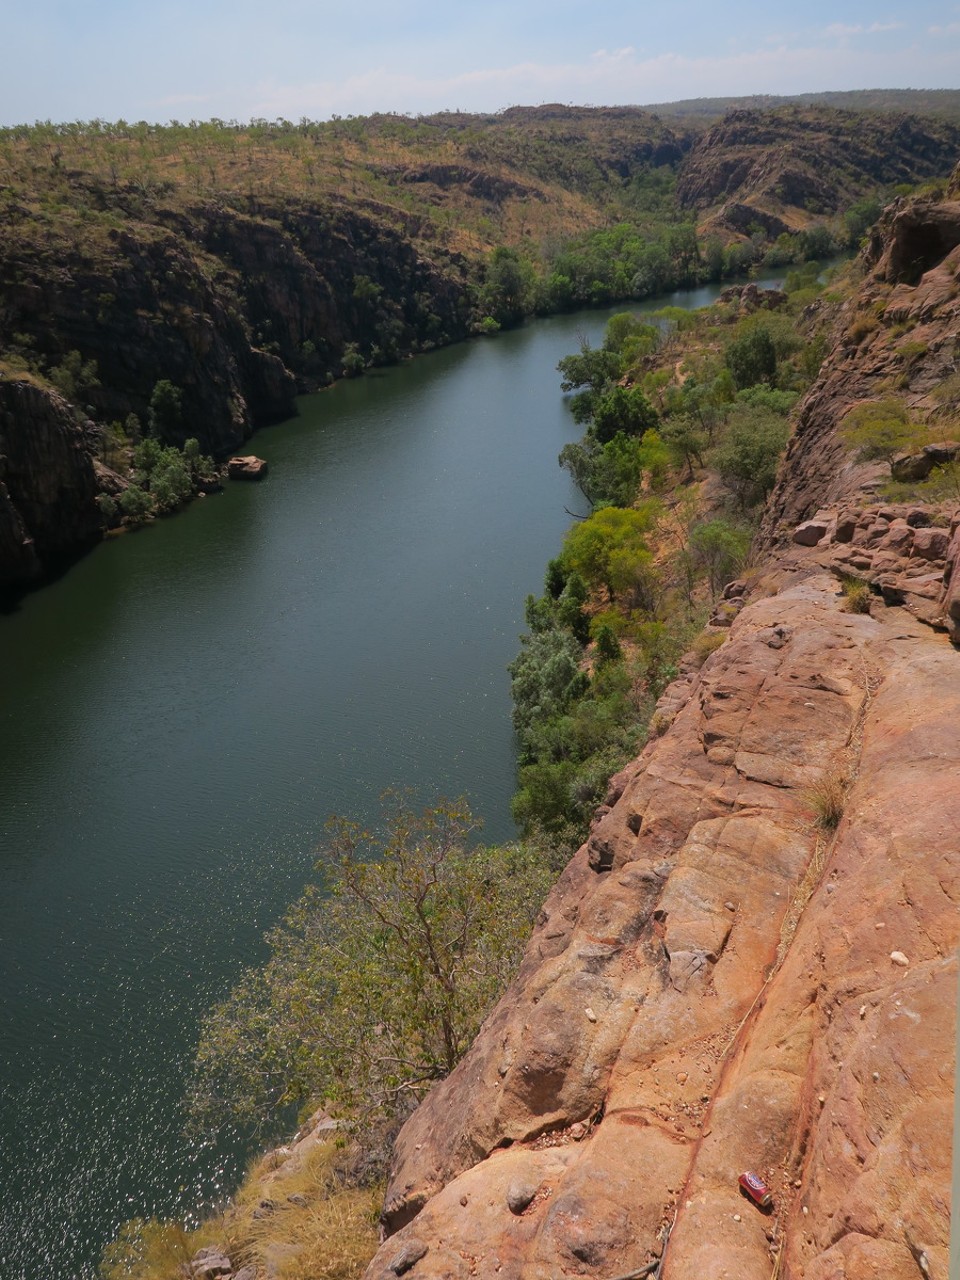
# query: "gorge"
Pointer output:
{"type": "Point", "coordinates": [717, 982]}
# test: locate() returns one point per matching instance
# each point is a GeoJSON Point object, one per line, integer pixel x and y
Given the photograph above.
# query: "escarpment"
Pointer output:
{"type": "Point", "coordinates": [898, 333]}
{"type": "Point", "coordinates": [719, 983]}
{"type": "Point", "coordinates": [774, 169]}
{"type": "Point", "coordinates": [751, 963]}
{"type": "Point", "coordinates": [236, 309]}
{"type": "Point", "coordinates": [48, 482]}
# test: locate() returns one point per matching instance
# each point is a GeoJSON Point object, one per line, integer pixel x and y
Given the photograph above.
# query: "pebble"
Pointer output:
{"type": "Point", "coordinates": [591, 1016]}
{"type": "Point", "coordinates": [876, 1075]}
{"type": "Point", "coordinates": [729, 906]}
{"type": "Point", "coordinates": [737, 1218]}
{"type": "Point", "coordinates": [681, 1077]}
{"type": "Point", "coordinates": [863, 1011]}
{"type": "Point", "coordinates": [520, 1193]}
{"type": "Point", "coordinates": [899, 958]}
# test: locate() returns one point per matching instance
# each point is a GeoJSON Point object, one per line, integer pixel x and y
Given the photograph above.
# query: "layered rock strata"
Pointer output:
{"type": "Point", "coordinates": [719, 981]}
{"type": "Point", "coordinates": [48, 482]}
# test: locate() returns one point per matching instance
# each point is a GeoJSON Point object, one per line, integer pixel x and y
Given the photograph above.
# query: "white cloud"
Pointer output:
{"type": "Point", "coordinates": [951, 29]}
{"type": "Point", "coordinates": [618, 54]}
{"type": "Point", "coordinates": [843, 29]}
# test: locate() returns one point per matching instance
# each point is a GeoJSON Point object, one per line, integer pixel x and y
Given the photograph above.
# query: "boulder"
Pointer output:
{"type": "Point", "coordinates": [247, 468]}
{"type": "Point", "coordinates": [210, 1262]}
{"type": "Point", "coordinates": [809, 533]}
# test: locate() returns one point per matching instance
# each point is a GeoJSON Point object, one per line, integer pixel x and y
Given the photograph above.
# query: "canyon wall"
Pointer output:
{"type": "Point", "coordinates": [751, 963]}
{"type": "Point", "coordinates": [237, 308]}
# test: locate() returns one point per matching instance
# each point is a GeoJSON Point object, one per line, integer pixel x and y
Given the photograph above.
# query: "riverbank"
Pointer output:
{"type": "Point", "coordinates": [192, 701]}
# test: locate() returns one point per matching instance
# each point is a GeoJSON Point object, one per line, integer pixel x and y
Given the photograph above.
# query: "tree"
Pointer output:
{"type": "Point", "coordinates": [719, 548]}
{"type": "Point", "coordinates": [163, 415]}
{"type": "Point", "coordinates": [622, 409]}
{"type": "Point", "coordinates": [379, 977]}
{"type": "Point", "coordinates": [74, 376]}
{"type": "Point", "coordinates": [752, 358]}
{"type": "Point", "coordinates": [683, 440]}
{"type": "Point", "coordinates": [881, 429]}
{"type": "Point", "coordinates": [545, 679]}
{"type": "Point", "coordinates": [747, 459]}
{"type": "Point", "coordinates": [609, 549]}
{"type": "Point", "coordinates": [626, 329]}
{"type": "Point", "coordinates": [509, 289]}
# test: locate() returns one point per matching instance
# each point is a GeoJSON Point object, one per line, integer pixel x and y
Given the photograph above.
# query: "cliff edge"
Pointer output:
{"type": "Point", "coordinates": [751, 963]}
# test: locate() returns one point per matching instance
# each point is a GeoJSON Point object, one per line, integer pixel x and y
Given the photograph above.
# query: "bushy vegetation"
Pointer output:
{"type": "Point", "coordinates": [378, 978]}
{"type": "Point", "coordinates": [163, 478]}
{"type": "Point", "coordinates": [665, 400]}
{"type": "Point", "coordinates": [322, 1227]}
{"type": "Point", "coordinates": [881, 429]}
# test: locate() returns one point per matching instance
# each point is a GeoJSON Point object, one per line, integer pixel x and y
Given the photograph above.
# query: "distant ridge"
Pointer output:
{"type": "Point", "coordinates": [934, 102]}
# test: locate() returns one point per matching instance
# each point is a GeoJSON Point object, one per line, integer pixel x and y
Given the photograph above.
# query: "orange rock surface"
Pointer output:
{"type": "Point", "coordinates": [710, 988]}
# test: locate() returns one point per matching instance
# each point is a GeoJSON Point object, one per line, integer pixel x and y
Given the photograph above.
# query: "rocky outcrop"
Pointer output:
{"type": "Point", "coordinates": [249, 467]}
{"type": "Point", "coordinates": [719, 983]}
{"type": "Point", "coordinates": [898, 332]}
{"type": "Point", "coordinates": [48, 483]}
{"type": "Point", "coordinates": [908, 555]}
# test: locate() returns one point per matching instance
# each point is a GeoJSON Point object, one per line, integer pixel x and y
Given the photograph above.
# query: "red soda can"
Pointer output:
{"type": "Point", "coordinates": [756, 1189]}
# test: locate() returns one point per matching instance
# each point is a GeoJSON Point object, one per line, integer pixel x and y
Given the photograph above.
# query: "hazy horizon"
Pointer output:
{"type": "Point", "coordinates": [206, 60]}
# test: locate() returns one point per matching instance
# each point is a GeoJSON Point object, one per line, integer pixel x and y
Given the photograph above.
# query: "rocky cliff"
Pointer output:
{"type": "Point", "coordinates": [48, 482]}
{"type": "Point", "coordinates": [751, 964]}
{"type": "Point", "coordinates": [234, 306]}
{"type": "Point", "coordinates": [780, 169]}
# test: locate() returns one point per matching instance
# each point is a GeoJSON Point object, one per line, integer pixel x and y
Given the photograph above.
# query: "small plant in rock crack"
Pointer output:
{"type": "Point", "coordinates": [856, 595]}
{"type": "Point", "coordinates": [827, 798]}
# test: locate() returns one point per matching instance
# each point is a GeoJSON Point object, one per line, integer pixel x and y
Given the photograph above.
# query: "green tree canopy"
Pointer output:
{"type": "Point", "coordinates": [623, 410]}
{"type": "Point", "coordinates": [747, 460]}
{"type": "Point", "coordinates": [752, 358]}
{"type": "Point", "coordinates": [163, 415]}
{"type": "Point", "coordinates": [609, 549]}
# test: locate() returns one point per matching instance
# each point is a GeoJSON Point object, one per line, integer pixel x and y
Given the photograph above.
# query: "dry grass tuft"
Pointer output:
{"type": "Point", "coordinates": [827, 798]}
{"type": "Point", "coordinates": [300, 1220]}
{"type": "Point", "coordinates": [328, 1231]}
{"type": "Point", "coordinates": [707, 642]}
{"type": "Point", "coordinates": [147, 1249]}
{"type": "Point", "coordinates": [856, 595]}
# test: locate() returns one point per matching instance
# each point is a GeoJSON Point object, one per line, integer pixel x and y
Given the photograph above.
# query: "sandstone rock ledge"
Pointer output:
{"type": "Point", "coordinates": [716, 984]}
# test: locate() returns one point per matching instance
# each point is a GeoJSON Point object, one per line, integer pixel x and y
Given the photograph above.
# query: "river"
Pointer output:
{"type": "Point", "coordinates": [184, 709]}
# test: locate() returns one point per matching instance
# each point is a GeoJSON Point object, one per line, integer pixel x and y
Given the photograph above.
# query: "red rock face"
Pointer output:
{"type": "Point", "coordinates": [736, 988]}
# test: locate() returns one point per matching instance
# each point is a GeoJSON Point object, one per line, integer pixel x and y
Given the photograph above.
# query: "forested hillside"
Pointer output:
{"type": "Point", "coordinates": [183, 282]}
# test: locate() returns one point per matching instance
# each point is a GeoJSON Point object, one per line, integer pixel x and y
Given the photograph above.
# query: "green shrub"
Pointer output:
{"type": "Point", "coordinates": [881, 429]}
{"type": "Point", "coordinates": [752, 358]}
{"type": "Point", "coordinates": [747, 460]}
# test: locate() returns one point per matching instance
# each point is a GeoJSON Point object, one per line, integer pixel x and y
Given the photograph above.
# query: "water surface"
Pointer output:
{"type": "Point", "coordinates": [183, 710]}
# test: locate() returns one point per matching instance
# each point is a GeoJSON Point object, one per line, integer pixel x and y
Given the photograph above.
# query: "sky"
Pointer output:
{"type": "Point", "coordinates": [240, 59]}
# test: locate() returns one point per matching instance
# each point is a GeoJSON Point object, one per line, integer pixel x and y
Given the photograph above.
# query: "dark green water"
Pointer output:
{"type": "Point", "coordinates": [184, 709]}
